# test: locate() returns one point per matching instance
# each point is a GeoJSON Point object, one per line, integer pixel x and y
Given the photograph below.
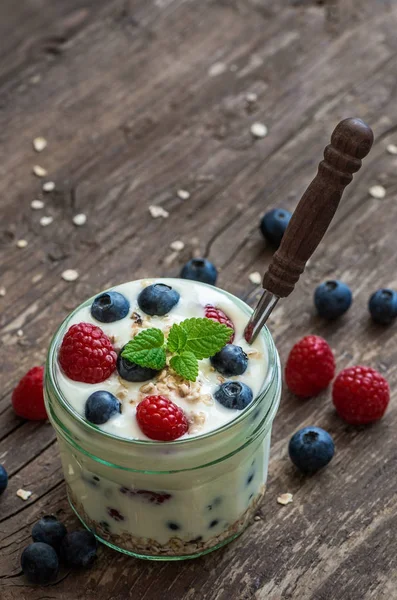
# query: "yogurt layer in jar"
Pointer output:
{"type": "Point", "coordinates": [187, 496]}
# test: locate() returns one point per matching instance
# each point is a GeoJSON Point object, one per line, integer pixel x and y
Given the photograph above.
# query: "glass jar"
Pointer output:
{"type": "Point", "coordinates": [166, 500]}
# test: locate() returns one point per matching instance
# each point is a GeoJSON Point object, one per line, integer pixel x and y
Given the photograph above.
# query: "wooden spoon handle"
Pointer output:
{"type": "Point", "coordinates": [350, 142]}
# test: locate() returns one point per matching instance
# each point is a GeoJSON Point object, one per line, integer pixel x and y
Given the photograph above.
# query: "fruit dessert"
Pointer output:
{"type": "Point", "coordinates": [162, 414]}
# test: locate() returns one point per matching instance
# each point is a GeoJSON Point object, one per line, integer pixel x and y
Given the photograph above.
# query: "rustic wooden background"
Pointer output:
{"type": "Point", "coordinates": [127, 95]}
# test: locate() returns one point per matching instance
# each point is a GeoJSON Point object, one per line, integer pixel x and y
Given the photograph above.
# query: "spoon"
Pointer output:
{"type": "Point", "coordinates": [350, 142]}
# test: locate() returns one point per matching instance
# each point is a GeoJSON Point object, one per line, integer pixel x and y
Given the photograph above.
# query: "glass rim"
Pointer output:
{"type": "Point", "coordinates": [272, 369]}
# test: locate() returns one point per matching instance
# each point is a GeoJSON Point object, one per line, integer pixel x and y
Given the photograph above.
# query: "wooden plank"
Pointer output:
{"type": "Point", "coordinates": [131, 114]}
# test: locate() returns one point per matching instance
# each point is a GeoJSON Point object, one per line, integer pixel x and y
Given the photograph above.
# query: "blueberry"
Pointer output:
{"type": "Point", "coordinates": [216, 502]}
{"type": "Point", "coordinates": [383, 306]}
{"type": "Point", "coordinates": [310, 449]}
{"type": "Point", "coordinates": [115, 514]}
{"type": "Point", "coordinates": [200, 269]}
{"type": "Point", "coordinates": [78, 548]}
{"type": "Point", "coordinates": [214, 523]}
{"type": "Point", "coordinates": [131, 371]}
{"type": "Point", "coordinates": [49, 531]}
{"type": "Point", "coordinates": [100, 406]}
{"type": "Point", "coordinates": [3, 479]}
{"type": "Point", "coordinates": [39, 563]}
{"type": "Point", "coordinates": [158, 299]}
{"type": "Point", "coordinates": [109, 307]}
{"type": "Point", "coordinates": [231, 360]}
{"type": "Point", "coordinates": [273, 225]}
{"type": "Point", "coordinates": [332, 299]}
{"type": "Point", "coordinates": [173, 526]}
{"type": "Point", "coordinates": [250, 477]}
{"type": "Point", "coordinates": [234, 394]}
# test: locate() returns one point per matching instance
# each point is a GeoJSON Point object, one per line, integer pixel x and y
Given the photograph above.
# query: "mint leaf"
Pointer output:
{"type": "Point", "coordinates": [177, 338]}
{"type": "Point", "coordinates": [204, 337]}
{"type": "Point", "coordinates": [146, 349]}
{"type": "Point", "coordinates": [186, 365]}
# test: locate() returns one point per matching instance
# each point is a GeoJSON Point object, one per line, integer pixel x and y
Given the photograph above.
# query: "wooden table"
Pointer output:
{"type": "Point", "coordinates": [137, 100]}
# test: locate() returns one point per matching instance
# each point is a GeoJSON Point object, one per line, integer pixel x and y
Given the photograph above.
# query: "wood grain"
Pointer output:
{"type": "Point", "coordinates": [122, 92]}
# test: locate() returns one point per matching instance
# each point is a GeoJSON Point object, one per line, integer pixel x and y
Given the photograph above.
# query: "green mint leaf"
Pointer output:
{"type": "Point", "coordinates": [146, 349]}
{"type": "Point", "coordinates": [186, 365]}
{"type": "Point", "coordinates": [177, 338]}
{"type": "Point", "coordinates": [205, 337]}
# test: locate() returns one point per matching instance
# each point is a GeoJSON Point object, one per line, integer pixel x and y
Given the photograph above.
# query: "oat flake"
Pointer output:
{"type": "Point", "coordinates": [37, 204]}
{"type": "Point", "coordinates": [216, 69]}
{"type": "Point", "coordinates": [22, 243]}
{"type": "Point", "coordinates": [255, 278]}
{"type": "Point", "coordinates": [392, 149]}
{"type": "Point", "coordinates": [70, 275]}
{"type": "Point", "coordinates": [377, 191]}
{"type": "Point", "coordinates": [251, 97]}
{"type": "Point", "coordinates": [39, 171]}
{"type": "Point", "coordinates": [24, 494]}
{"type": "Point", "coordinates": [178, 245]}
{"type": "Point", "coordinates": [3, 292]}
{"type": "Point", "coordinates": [285, 499]}
{"type": "Point", "coordinates": [158, 212]}
{"type": "Point", "coordinates": [39, 144]}
{"type": "Point", "coordinates": [20, 333]}
{"type": "Point", "coordinates": [80, 219]}
{"type": "Point", "coordinates": [48, 186]}
{"type": "Point", "coordinates": [44, 221]}
{"type": "Point", "coordinates": [259, 130]}
{"type": "Point", "coordinates": [183, 194]}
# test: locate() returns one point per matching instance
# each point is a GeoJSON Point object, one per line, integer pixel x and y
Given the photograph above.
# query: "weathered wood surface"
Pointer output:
{"type": "Point", "coordinates": [121, 89]}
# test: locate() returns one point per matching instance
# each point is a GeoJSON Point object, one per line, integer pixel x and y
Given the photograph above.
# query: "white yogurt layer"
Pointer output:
{"type": "Point", "coordinates": [203, 412]}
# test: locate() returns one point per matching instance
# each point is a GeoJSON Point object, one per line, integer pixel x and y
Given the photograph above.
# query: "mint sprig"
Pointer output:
{"type": "Point", "coordinates": [189, 341]}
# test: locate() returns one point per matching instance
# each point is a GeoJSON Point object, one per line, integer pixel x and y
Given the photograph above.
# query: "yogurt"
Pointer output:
{"type": "Point", "coordinates": [166, 500]}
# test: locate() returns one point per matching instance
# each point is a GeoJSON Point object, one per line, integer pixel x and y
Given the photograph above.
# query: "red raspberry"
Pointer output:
{"type": "Point", "coordinates": [86, 354]}
{"type": "Point", "coordinates": [310, 366]}
{"type": "Point", "coordinates": [27, 398]}
{"type": "Point", "coordinates": [216, 314]}
{"type": "Point", "coordinates": [360, 395]}
{"type": "Point", "coordinates": [160, 419]}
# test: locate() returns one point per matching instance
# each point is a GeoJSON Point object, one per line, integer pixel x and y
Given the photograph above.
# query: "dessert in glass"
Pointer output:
{"type": "Point", "coordinates": [163, 414]}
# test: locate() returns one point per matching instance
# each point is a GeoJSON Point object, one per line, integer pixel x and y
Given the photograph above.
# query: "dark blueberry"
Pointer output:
{"type": "Point", "coordinates": [96, 478]}
{"type": "Point", "coordinates": [231, 360]}
{"type": "Point", "coordinates": [79, 548]}
{"type": "Point", "coordinates": [251, 496]}
{"type": "Point", "coordinates": [273, 225]}
{"type": "Point", "coordinates": [200, 269]}
{"type": "Point", "coordinates": [214, 523]}
{"type": "Point", "coordinates": [109, 307]}
{"type": "Point", "coordinates": [146, 495]}
{"type": "Point", "coordinates": [332, 299]}
{"type": "Point", "coordinates": [158, 299]}
{"type": "Point", "coordinates": [234, 394]}
{"type": "Point", "coordinates": [173, 526]}
{"type": "Point", "coordinates": [115, 514]}
{"type": "Point", "coordinates": [130, 371]}
{"type": "Point", "coordinates": [216, 502]}
{"type": "Point", "coordinates": [3, 479]}
{"type": "Point", "coordinates": [250, 477]}
{"type": "Point", "coordinates": [310, 449]}
{"type": "Point", "coordinates": [100, 406]}
{"type": "Point", "coordinates": [105, 526]}
{"type": "Point", "coordinates": [383, 306]}
{"type": "Point", "coordinates": [39, 563]}
{"type": "Point", "coordinates": [49, 531]}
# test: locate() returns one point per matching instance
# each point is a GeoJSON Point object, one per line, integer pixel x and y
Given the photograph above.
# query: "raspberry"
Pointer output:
{"type": "Point", "coordinates": [160, 419]}
{"type": "Point", "coordinates": [216, 314]}
{"type": "Point", "coordinates": [310, 366]}
{"type": "Point", "coordinates": [27, 397]}
{"type": "Point", "coordinates": [86, 354]}
{"type": "Point", "coordinates": [360, 395]}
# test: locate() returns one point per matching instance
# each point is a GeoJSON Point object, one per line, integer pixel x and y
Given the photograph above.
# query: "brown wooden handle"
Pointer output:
{"type": "Point", "coordinates": [350, 142]}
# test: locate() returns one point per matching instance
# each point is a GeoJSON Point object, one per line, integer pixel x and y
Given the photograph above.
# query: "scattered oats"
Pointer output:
{"type": "Point", "coordinates": [251, 97]}
{"type": "Point", "coordinates": [259, 130]}
{"type": "Point", "coordinates": [216, 69]}
{"type": "Point", "coordinates": [377, 191]}
{"type": "Point", "coordinates": [37, 204]}
{"type": "Point", "coordinates": [392, 149]}
{"type": "Point", "coordinates": [3, 291]}
{"type": "Point", "coordinates": [44, 221]}
{"type": "Point", "coordinates": [70, 275]}
{"type": "Point", "coordinates": [39, 144]}
{"type": "Point", "coordinates": [255, 278]}
{"type": "Point", "coordinates": [80, 219]}
{"type": "Point", "coordinates": [177, 245]}
{"type": "Point", "coordinates": [37, 278]}
{"type": "Point", "coordinates": [20, 333]}
{"type": "Point", "coordinates": [22, 243]}
{"type": "Point", "coordinates": [158, 211]}
{"type": "Point", "coordinates": [183, 194]}
{"type": "Point", "coordinates": [24, 494]}
{"type": "Point", "coordinates": [136, 317]}
{"type": "Point", "coordinates": [48, 186]}
{"type": "Point", "coordinates": [39, 171]}
{"type": "Point", "coordinates": [35, 79]}
{"type": "Point", "coordinates": [285, 499]}
{"type": "Point", "coordinates": [257, 518]}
